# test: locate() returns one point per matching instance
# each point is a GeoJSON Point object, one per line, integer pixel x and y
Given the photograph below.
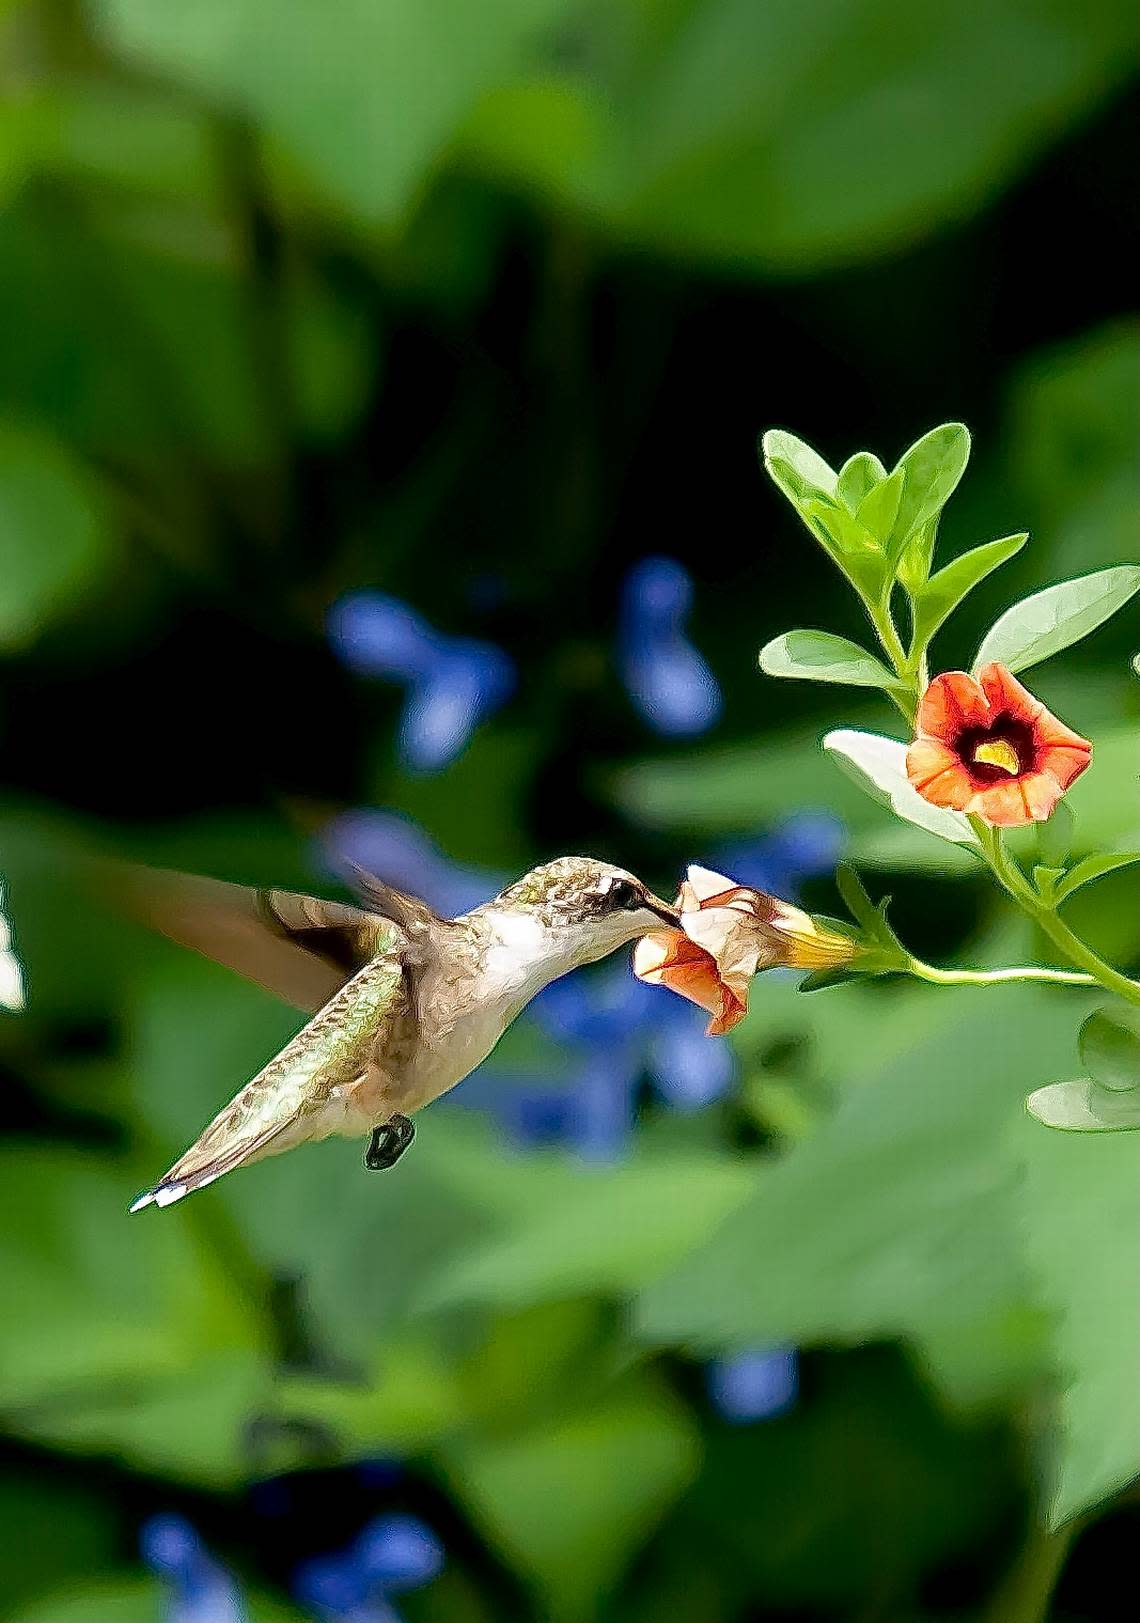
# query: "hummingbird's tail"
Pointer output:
{"type": "Point", "coordinates": [205, 1161]}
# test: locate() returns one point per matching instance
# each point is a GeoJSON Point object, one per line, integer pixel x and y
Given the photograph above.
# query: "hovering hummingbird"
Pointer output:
{"type": "Point", "coordinates": [407, 1003]}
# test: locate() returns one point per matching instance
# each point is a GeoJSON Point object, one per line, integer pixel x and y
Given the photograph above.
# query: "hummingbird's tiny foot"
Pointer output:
{"type": "Point", "coordinates": [388, 1143]}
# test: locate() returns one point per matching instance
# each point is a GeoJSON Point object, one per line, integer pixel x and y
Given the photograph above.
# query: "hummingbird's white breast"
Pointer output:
{"type": "Point", "coordinates": [467, 1002]}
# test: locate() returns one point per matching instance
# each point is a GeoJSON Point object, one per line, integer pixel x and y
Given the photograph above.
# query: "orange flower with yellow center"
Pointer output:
{"type": "Point", "coordinates": [728, 934]}
{"type": "Point", "coordinates": [989, 747]}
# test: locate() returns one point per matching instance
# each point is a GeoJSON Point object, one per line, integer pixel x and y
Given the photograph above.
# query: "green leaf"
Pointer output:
{"type": "Point", "coordinates": [172, 1359]}
{"type": "Point", "coordinates": [818, 656]}
{"type": "Point", "coordinates": [800, 472]}
{"type": "Point", "coordinates": [1084, 1106]}
{"type": "Point", "coordinates": [1042, 625]}
{"type": "Point", "coordinates": [914, 562]}
{"type": "Point", "coordinates": [878, 511]}
{"type": "Point", "coordinates": [931, 469]}
{"type": "Point", "coordinates": [612, 1469]}
{"type": "Point", "coordinates": [1055, 836]}
{"type": "Point", "coordinates": [878, 765]}
{"type": "Point", "coordinates": [812, 487]}
{"type": "Point", "coordinates": [1080, 1205]}
{"type": "Point", "coordinates": [1110, 1047]}
{"type": "Point", "coordinates": [54, 535]}
{"type": "Point", "coordinates": [858, 477]}
{"type": "Point", "coordinates": [739, 140]}
{"type": "Point", "coordinates": [600, 1233]}
{"type": "Point", "coordinates": [897, 1216]}
{"type": "Point", "coordinates": [1091, 868]}
{"type": "Point", "coordinates": [943, 592]}
{"type": "Point", "coordinates": [852, 547]}
{"type": "Point", "coordinates": [734, 788]}
{"type": "Point", "coordinates": [402, 77]}
{"type": "Point", "coordinates": [820, 979]}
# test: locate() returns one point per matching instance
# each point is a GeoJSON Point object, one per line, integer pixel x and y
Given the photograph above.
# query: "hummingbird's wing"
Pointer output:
{"type": "Point", "coordinates": [300, 948]}
{"type": "Point", "coordinates": [317, 1085]}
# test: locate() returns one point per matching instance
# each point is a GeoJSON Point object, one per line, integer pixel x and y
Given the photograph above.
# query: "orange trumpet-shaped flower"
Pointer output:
{"type": "Point", "coordinates": [729, 933]}
{"type": "Point", "coordinates": [989, 747]}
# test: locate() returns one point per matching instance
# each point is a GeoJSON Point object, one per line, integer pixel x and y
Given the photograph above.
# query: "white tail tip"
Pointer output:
{"type": "Point", "coordinates": [165, 1195]}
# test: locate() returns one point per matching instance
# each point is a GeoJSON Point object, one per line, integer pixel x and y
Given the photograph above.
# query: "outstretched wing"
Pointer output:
{"type": "Point", "coordinates": [308, 1091]}
{"type": "Point", "coordinates": [300, 948]}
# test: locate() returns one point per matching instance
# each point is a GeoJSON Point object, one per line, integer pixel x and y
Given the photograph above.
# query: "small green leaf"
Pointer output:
{"type": "Point", "coordinates": [818, 656]}
{"type": "Point", "coordinates": [797, 469]}
{"type": "Point", "coordinates": [1084, 1106]}
{"type": "Point", "coordinates": [820, 979]}
{"type": "Point", "coordinates": [878, 765]}
{"type": "Point", "coordinates": [1040, 626]}
{"type": "Point", "coordinates": [1136, 663]}
{"type": "Point", "coordinates": [1055, 836]}
{"type": "Point", "coordinates": [858, 477]}
{"type": "Point", "coordinates": [879, 509]}
{"type": "Point", "coordinates": [943, 592]}
{"type": "Point", "coordinates": [856, 899]}
{"type": "Point", "coordinates": [1109, 1044]}
{"type": "Point", "coordinates": [914, 562]}
{"type": "Point", "coordinates": [932, 468]}
{"type": "Point", "coordinates": [1094, 867]}
{"type": "Point", "coordinates": [1046, 879]}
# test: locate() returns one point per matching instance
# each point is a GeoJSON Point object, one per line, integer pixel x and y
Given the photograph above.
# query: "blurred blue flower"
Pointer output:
{"type": "Point", "coordinates": [614, 1031]}
{"type": "Point", "coordinates": [799, 848]}
{"type": "Point", "coordinates": [400, 853]}
{"type": "Point", "coordinates": [756, 1385]}
{"type": "Point", "coordinates": [667, 678]}
{"type": "Point", "coordinates": [200, 1590]}
{"type": "Point", "coordinates": [453, 683]}
{"type": "Point", "coordinates": [393, 1553]}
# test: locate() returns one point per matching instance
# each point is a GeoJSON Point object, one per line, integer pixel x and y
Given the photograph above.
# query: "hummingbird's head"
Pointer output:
{"type": "Point", "coordinates": [586, 908]}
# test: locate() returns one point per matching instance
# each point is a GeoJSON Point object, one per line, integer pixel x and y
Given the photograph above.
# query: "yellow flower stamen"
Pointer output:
{"type": "Point", "coordinates": [998, 753]}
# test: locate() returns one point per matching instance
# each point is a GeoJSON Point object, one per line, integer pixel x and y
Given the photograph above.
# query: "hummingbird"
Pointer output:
{"type": "Point", "coordinates": [404, 1003]}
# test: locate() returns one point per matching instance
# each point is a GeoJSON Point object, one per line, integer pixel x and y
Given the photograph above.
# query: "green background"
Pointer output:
{"type": "Point", "coordinates": [479, 304]}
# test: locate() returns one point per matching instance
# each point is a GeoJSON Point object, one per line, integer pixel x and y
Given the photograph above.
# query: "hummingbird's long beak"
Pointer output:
{"type": "Point", "coordinates": [663, 910]}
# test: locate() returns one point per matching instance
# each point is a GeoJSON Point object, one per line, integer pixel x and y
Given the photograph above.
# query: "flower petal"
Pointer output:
{"type": "Point", "coordinates": [1065, 762]}
{"type": "Point", "coordinates": [1007, 697]}
{"type": "Point", "coordinates": [669, 958]}
{"type": "Point", "coordinates": [951, 703]}
{"type": "Point", "coordinates": [939, 776]}
{"type": "Point", "coordinates": [1005, 804]}
{"type": "Point", "coordinates": [704, 883]}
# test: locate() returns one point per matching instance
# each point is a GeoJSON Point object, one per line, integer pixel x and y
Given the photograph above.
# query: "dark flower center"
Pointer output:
{"type": "Point", "coordinates": [1003, 750]}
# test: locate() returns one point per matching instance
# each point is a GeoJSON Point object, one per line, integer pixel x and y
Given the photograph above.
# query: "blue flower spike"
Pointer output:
{"type": "Point", "coordinates": [753, 1386]}
{"type": "Point", "coordinates": [453, 683]}
{"type": "Point", "coordinates": [399, 852]}
{"type": "Point", "coordinates": [200, 1590]}
{"type": "Point", "coordinates": [667, 678]}
{"type": "Point", "coordinates": [393, 1554]}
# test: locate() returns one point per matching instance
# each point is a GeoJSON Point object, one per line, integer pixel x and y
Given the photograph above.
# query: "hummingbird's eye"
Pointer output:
{"type": "Point", "coordinates": [623, 893]}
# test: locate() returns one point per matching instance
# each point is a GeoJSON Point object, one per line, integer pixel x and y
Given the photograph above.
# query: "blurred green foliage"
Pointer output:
{"type": "Point", "coordinates": [480, 305]}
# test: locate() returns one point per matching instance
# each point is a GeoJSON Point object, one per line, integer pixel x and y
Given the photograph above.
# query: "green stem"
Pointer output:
{"type": "Point", "coordinates": [1011, 878]}
{"type": "Point", "coordinates": [1026, 1591]}
{"type": "Point", "coordinates": [998, 977]}
{"type": "Point", "coordinates": [1078, 952]}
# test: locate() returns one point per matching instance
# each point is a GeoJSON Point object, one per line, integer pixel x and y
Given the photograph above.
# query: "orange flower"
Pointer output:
{"type": "Point", "coordinates": [988, 746]}
{"type": "Point", "coordinates": [729, 933]}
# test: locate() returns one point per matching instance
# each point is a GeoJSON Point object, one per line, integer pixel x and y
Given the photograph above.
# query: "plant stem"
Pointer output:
{"type": "Point", "coordinates": [998, 977]}
{"type": "Point", "coordinates": [1077, 952]}
{"type": "Point", "coordinates": [1011, 878]}
{"type": "Point", "coordinates": [883, 622]}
